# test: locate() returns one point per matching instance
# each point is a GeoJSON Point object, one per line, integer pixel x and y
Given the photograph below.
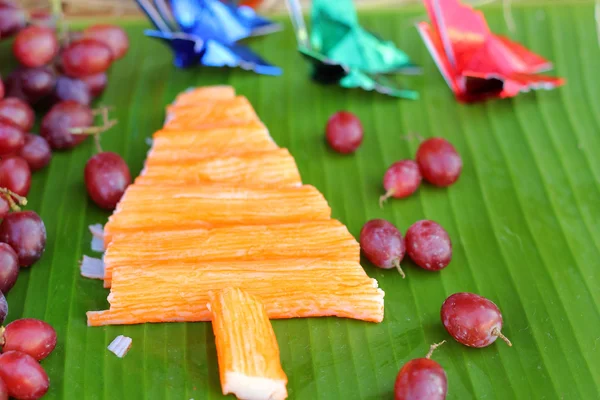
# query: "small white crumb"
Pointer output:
{"type": "Point", "coordinates": [97, 245]}
{"type": "Point", "coordinates": [120, 346]}
{"type": "Point", "coordinates": [92, 268]}
{"type": "Point", "coordinates": [97, 230]}
{"type": "Point", "coordinates": [149, 141]}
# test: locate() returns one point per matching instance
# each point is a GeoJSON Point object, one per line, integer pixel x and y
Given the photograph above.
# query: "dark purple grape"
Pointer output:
{"type": "Point", "coordinates": [382, 244]}
{"type": "Point", "coordinates": [30, 336]}
{"type": "Point", "coordinates": [111, 35]}
{"type": "Point", "coordinates": [36, 151]}
{"type": "Point", "coordinates": [58, 122]}
{"type": "Point", "coordinates": [35, 46]}
{"type": "Point", "coordinates": [15, 175]}
{"type": "Point", "coordinates": [72, 89]}
{"type": "Point", "coordinates": [37, 83]}
{"type": "Point", "coordinates": [13, 88]}
{"type": "Point", "coordinates": [25, 232]}
{"type": "Point", "coordinates": [96, 83]}
{"type": "Point", "coordinates": [11, 137]}
{"type": "Point", "coordinates": [18, 112]}
{"type": "Point", "coordinates": [106, 178]}
{"type": "Point", "coordinates": [3, 308]}
{"type": "Point", "coordinates": [13, 18]}
{"type": "Point", "coordinates": [9, 268]}
{"type": "Point", "coordinates": [85, 57]}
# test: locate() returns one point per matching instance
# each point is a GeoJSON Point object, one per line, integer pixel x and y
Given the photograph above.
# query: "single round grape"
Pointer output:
{"type": "Point", "coordinates": [85, 57]}
{"type": "Point", "coordinates": [35, 46]}
{"type": "Point", "coordinates": [106, 178]}
{"type": "Point", "coordinates": [428, 245]}
{"type": "Point", "coordinates": [382, 244]}
{"type": "Point", "coordinates": [96, 83]}
{"type": "Point", "coordinates": [421, 379]}
{"type": "Point", "coordinates": [72, 89]}
{"type": "Point", "coordinates": [9, 268]}
{"type": "Point", "coordinates": [25, 232]}
{"type": "Point", "coordinates": [12, 137]}
{"type": "Point", "coordinates": [37, 83]}
{"type": "Point", "coordinates": [401, 180]}
{"type": "Point", "coordinates": [3, 308]}
{"type": "Point", "coordinates": [112, 36]}
{"type": "Point", "coordinates": [344, 132]}
{"type": "Point", "coordinates": [30, 336]}
{"type": "Point", "coordinates": [3, 390]}
{"type": "Point", "coordinates": [15, 175]}
{"type": "Point", "coordinates": [23, 375]}
{"type": "Point", "coordinates": [13, 18]}
{"type": "Point", "coordinates": [63, 117]}
{"type": "Point", "coordinates": [472, 320]}
{"type": "Point", "coordinates": [439, 162]}
{"type": "Point", "coordinates": [36, 151]}
{"type": "Point", "coordinates": [17, 111]}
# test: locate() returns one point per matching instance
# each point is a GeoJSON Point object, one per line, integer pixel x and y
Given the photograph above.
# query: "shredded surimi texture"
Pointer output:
{"type": "Point", "coordinates": [206, 206]}
{"type": "Point", "coordinates": [219, 204]}
{"type": "Point", "coordinates": [120, 346]}
{"type": "Point", "coordinates": [178, 291]}
{"type": "Point", "coordinates": [247, 349]}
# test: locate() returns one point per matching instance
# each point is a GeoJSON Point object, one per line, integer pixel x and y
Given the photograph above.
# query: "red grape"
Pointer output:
{"type": "Point", "coordinates": [25, 232]}
{"type": "Point", "coordinates": [86, 57]}
{"type": "Point", "coordinates": [29, 336]}
{"type": "Point", "coordinates": [9, 268]}
{"type": "Point", "coordinates": [23, 375]}
{"type": "Point", "coordinates": [112, 36]}
{"type": "Point", "coordinates": [439, 162]}
{"type": "Point", "coordinates": [15, 175]}
{"type": "Point", "coordinates": [382, 244]}
{"type": "Point", "coordinates": [472, 320]}
{"type": "Point", "coordinates": [63, 117]}
{"type": "Point", "coordinates": [72, 89]}
{"type": "Point", "coordinates": [11, 137]}
{"type": "Point", "coordinates": [3, 308]}
{"type": "Point", "coordinates": [96, 83]}
{"type": "Point", "coordinates": [421, 379]}
{"type": "Point", "coordinates": [17, 111]}
{"type": "Point", "coordinates": [36, 151]}
{"type": "Point", "coordinates": [3, 390]}
{"type": "Point", "coordinates": [344, 132]}
{"type": "Point", "coordinates": [37, 83]}
{"type": "Point", "coordinates": [35, 46]}
{"type": "Point", "coordinates": [401, 180]}
{"type": "Point", "coordinates": [106, 178]}
{"type": "Point", "coordinates": [12, 18]}
{"type": "Point", "coordinates": [428, 245]}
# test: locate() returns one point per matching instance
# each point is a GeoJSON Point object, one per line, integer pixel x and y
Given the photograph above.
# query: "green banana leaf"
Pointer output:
{"type": "Point", "coordinates": [524, 219]}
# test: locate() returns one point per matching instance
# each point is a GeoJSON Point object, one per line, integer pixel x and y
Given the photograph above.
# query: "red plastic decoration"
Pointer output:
{"type": "Point", "coordinates": [476, 63]}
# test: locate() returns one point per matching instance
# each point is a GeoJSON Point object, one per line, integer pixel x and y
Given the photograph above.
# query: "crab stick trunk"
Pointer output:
{"type": "Point", "coordinates": [247, 349]}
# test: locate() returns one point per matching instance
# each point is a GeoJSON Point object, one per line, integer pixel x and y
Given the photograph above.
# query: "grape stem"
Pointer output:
{"type": "Point", "coordinates": [433, 347]}
{"type": "Point", "coordinates": [386, 196]}
{"type": "Point", "coordinates": [2, 341]}
{"type": "Point", "coordinates": [11, 197]}
{"type": "Point", "coordinates": [396, 263]}
{"type": "Point", "coordinates": [496, 332]}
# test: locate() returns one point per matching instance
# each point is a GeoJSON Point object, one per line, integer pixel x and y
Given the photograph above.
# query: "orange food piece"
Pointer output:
{"type": "Point", "coordinates": [196, 96]}
{"type": "Point", "coordinates": [175, 290]}
{"type": "Point", "coordinates": [149, 207]}
{"type": "Point", "coordinates": [183, 146]}
{"type": "Point", "coordinates": [210, 114]}
{"type": "Point", "coordinates": [270, 168]}
{"type": "Point", "coordinates": [247, 349]}
{"type": "Point", "coordinates": [319, 239]}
